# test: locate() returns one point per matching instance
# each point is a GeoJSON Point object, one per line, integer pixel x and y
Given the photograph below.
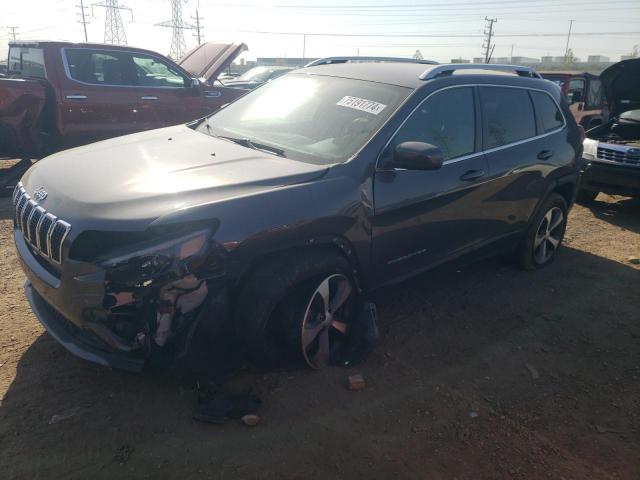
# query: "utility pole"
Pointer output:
{"type": "Point", "coordinates": [304, 46]}
{"type": "Point", "coordinates": [511, 57]}
{"type": "Point", "coordinates": [113, 29]}
{"type": "Point", "coordinates": [82, 18]}
{"type": "Point", "coordinates": [199, 27]}
{"type": "Point", "coordinates": [566, 49]}
{"type": "Point", "coordinates": [178, 47]}
{"type": "Point", "coordinates": [14, 35]}
{"type": "Point", "coordinates": [487, 46]}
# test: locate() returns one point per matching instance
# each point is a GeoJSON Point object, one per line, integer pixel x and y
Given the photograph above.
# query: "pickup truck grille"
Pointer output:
{"type": "Point", "coordinates": [619, 155]}
{"type": "Point", "coordinates": [44, 231]}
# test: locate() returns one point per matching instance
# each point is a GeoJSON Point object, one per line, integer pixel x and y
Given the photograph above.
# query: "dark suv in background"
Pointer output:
{"type": "Point", "coordinates": [279, 211]}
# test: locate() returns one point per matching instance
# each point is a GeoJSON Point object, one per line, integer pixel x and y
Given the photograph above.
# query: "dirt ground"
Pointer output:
{"type": "Point", "coordinates": [483, 372]}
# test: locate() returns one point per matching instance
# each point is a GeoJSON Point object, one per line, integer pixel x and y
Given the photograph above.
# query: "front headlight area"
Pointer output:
{"type": "Point", "coordinates": [155, 288]}
{"type": "Point", "coordinates": [590, 149]}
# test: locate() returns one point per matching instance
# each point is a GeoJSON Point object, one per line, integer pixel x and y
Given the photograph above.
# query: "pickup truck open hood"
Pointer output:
{"type": "Point", "coordinates": [621, 82]}
{"type": "Point", "coordinates": [210, 59]}
{"type": "Point", "coordinates": [125, 182]}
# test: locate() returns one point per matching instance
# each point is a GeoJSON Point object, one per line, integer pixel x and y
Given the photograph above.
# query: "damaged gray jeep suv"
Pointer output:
{"type": "Point", "coordinates": [277, 213]}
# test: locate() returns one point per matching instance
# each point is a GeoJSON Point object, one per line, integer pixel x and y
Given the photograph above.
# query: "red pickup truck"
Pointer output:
{"type": "Point", "coordinates": [58, 95]}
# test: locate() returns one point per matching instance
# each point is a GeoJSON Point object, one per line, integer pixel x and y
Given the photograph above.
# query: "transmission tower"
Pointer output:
{"type": "Point", "coordinates": [487, 46]}
{"type": "Point", "coordinates": [178, 46]}
{"type": "Point", "coordinates": [113, 29]}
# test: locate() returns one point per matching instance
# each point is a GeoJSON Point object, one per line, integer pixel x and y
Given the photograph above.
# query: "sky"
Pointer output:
{"type": "Point", "coordinates": [440, 29]}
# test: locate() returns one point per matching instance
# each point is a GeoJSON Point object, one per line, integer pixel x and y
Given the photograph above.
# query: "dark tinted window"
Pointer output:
{"type": "Point", "coordinates": [548, 112]}
{"type": "Point", "coordinates": [508, 116]}
{"type": "Point", "coordinates": [446, 120]}
{"type": "Point", "coordinates": [102, 67]}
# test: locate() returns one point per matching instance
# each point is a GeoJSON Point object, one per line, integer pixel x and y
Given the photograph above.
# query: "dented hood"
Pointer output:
{"type": "Point", "coordinates": [125, 182]}
{"type": "Point", "coordinates": [621, 82]}
{"type": "Point", "coordinates": [210, 59]}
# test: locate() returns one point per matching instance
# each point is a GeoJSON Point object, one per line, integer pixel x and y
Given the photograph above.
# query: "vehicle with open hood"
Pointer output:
{"type": "Point", "coordinates": [59, 95]}
{"type": "Point", "coordinates": [612, 150]}
{"type": "Point", "coordinates": [273, 218]}
{"type": "Point", "coordinates": [583, 91]}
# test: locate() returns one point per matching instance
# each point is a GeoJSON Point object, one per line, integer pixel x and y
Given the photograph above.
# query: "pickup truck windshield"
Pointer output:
{"type": "Point", "coordinates": [26, 62]}
{"type": "Point", "coordinates": [311, 118]}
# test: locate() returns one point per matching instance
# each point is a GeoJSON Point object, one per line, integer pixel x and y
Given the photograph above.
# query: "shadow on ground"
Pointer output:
{"type": "Point", "coordinates": [483, 372]}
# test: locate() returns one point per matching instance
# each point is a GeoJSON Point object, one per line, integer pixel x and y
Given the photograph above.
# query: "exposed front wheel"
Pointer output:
{"type": "Point", "coordinates": [545, 234]}
{"type": "Point", "coordinates": [297, 307]}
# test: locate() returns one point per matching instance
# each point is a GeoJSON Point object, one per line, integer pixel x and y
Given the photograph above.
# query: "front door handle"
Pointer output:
{"type": "Point", "coordinates": [472, 175]}
{"type": "Point", "coordinates": [545, 154]}
{"type": "Point", "coordinates": [76, 97]}
{"type": "Point", "coordinates": [148, 98]}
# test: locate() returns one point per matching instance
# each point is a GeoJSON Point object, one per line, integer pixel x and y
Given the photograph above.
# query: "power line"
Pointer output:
{"type": "Point", "coordinates": [178, 46]}
{"type": "Point", "coordinates": [488, 48]}
{"type": "Point", "coordinates": [82, 18]}
{"type": "Point", "coordinates": [113, 28]}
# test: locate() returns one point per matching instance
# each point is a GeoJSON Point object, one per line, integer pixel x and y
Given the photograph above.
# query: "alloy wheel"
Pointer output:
{"type": "Point", "coordinates": [548, 235]}
{"type": "Point", "coordinates": [325, 322]}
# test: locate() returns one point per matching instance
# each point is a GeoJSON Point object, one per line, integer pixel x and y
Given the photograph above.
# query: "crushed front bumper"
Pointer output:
{"type": "Point", "coordinates": [610, 178]}
{"type": "Point", "coordinates": [82, 343]}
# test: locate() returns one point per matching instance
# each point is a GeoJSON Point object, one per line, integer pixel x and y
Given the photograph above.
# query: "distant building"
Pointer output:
{"type": "Point", "coordinates": [597, 59]}
{"type": "Point", "coordinates": [460, 60]}
{"type": "Point", "coordinates": [546, 60]}
{"type": "Point", "coordinates": [524, 60]}
{"type": "Point", "coordinates": [285, 62]}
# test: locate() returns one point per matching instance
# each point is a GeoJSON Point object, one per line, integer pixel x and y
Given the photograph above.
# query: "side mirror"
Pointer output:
{"type": "Point", "coordinates": [576, 96]}
{"type": "Point", "coordinates": [195, 83]}
{"type": "Point", "coordinates": [417, 156]}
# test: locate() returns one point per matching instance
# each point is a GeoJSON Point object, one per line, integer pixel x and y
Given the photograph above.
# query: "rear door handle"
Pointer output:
{"type": "Point", "coordinates": [545, 154]}
{"type": "Point", "coordinates": [148, 98]}
{"type": "Point", "coordinates": [472, 175]}
{"type": "Point", "coordinates": [76, 97]}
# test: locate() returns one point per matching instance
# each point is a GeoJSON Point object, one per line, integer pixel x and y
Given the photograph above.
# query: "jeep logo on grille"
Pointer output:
{"type": "Point", "coordinates": [40, 194]}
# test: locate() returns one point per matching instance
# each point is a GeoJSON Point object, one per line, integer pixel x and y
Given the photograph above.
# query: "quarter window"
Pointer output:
{"type": "Point", "coordinates": [446, 120]}
{"type": "Point", "coordinates": [27, 62]}
{"type": "Point", "coordinates": [508, 116]}
{"type": "Point", "coordinates": [548, 112]}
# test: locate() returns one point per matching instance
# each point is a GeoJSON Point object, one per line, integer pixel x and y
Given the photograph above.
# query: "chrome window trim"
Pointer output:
{"type": "Point", "coordinates": [63, 54]}
{"type": "Point", "coordinates": [482, 151]}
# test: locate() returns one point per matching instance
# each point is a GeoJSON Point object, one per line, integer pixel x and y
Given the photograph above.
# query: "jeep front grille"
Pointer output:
{"type": "Point", "coordinates": [44, 231]}
{"type": "Point", "coordinates": [619, 154]}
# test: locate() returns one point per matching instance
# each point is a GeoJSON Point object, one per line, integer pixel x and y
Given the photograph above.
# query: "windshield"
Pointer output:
{"type": "Point", "coordinates": [258, 74]}
{"type": "Point", "coordinates": [311, 118]}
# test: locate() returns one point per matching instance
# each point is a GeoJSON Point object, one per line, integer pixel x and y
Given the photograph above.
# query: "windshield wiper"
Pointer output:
{"type": "Point", "coordinates": [247, 142]}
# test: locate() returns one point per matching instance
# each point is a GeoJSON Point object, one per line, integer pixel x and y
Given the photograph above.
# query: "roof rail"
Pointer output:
{"type": "Point", "coordinates": [333, 60]}
{"type": "Point", "coordinates": [444, 70]}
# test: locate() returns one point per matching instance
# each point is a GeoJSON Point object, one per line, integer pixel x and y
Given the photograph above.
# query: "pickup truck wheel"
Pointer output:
{"type": "Point", "coordinates": [544, 236]}
{"type": "Point", "coordinates": [585, 197]}
{"type": "Point", "coordinates": [297, 307]}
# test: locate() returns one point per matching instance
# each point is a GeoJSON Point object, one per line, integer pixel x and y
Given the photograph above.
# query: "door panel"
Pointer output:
{"type": "Point", "coordinates": [423, 217]}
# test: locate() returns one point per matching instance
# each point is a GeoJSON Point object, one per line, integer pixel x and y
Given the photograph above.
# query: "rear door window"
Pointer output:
{"type": "Point", "coordinates": [446, 120]}
{"type": "Point", "coordinates": [101, 67]}
{"type": "Point", "coordinates": [27, 62]}
{"type": "Point", "coordinates": [549, 114]}
{"type": "Point", "coordinates": [508, 116]}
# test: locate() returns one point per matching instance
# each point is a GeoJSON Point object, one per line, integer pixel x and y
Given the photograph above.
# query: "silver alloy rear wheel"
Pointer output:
{"type": "Point", "coordinates": [548, 235]}
{"type": "Point", "coordinates": [324, 322]}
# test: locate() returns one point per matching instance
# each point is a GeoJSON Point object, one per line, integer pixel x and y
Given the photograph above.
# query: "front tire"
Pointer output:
{"type": "Point", "coordinates": [298, 306]}
{"type": "Point", "coordinates": [544, 235]}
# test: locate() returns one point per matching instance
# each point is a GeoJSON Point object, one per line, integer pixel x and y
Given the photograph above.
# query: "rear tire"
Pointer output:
{"type": "Point", "coordinates": [545, 233]}
{"type": "Point", "coordinates": [275, 304]}
{"type": "Point", "coordinates": [585, 197]}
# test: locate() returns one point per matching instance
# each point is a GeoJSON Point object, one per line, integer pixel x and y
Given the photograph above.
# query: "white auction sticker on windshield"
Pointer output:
{"type": "Point", "coordinates": [363, 104]}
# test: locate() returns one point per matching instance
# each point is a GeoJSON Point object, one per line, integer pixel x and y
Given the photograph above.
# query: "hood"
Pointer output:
{"type": "Point", "coordinates": [621, 83]}
{"type": "Point", "coordinates": [210, 59]}
{"type": "Point", "coordinates": [123, 183]}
